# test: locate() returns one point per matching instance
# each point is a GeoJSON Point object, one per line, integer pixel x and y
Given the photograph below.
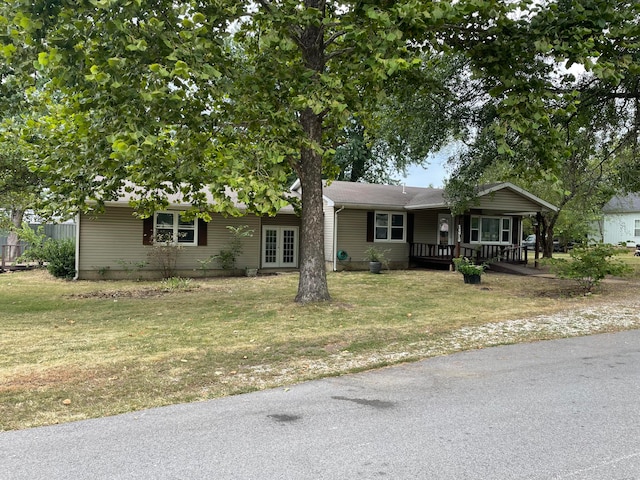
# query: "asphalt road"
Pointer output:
{"type": "Point", "coordinates": [566, 409]}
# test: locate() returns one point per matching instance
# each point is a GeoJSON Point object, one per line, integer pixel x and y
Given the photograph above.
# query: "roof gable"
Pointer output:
{"type": "Point", "coordinates": [623, 204]}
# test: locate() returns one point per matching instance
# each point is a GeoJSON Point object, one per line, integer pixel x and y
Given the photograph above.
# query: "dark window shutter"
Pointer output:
{"type": "Point", "coordinates": [466, 229]}
{"type": "Point", "coordinates": [370, 220]}
{"type": "Point", "coordinates": [410, 223]}
{"type": "Point", "coordinates": [515, 228]}
{"type": "Point", "coordinates": [147, 231]}
{"type": "Point", "coordinates": [202, 233]}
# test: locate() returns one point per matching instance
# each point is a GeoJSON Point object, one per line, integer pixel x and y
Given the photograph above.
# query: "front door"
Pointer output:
{"type": "Point", "coordinates": [445, 229]}
{"type": "Point", "coordinates": [279, 247]}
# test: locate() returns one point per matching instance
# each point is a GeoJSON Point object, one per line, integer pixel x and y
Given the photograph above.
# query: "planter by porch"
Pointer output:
{"type": "Point", "coordinates": [472, 278]}
{"type": "Point", "coordinates": [375, 267]}
{"type": "Point", "coordinates": [375, 258]}
{"type": "Point", "coordinates": [469, 270]}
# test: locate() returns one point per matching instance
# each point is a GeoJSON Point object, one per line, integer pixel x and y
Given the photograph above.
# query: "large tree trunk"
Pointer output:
{"type": "Point", "coordinates": [546, 233]}
{"type": "Point", "coordinates": [13, 242]}
{"type": "Point", "coordinates": [312, 286]}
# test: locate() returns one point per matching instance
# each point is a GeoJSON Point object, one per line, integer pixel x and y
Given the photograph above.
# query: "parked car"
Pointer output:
{"type": "Point", "coordinates": [530, 243]}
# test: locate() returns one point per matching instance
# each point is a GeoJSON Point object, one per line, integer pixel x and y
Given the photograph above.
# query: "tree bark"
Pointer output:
{"type": "Point", "coordinates": [312, 286]}
{"type": "Point", "coordinates": [546, 233]}
{"type": "Point", "coordinates": [13, 241]}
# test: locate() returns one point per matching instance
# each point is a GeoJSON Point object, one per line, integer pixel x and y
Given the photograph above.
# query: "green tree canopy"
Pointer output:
{"type": "Point", "coordinates": [177, 97]}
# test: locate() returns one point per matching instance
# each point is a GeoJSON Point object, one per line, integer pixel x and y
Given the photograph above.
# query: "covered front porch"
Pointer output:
{"type": "Point", "coordinates": [441, 255]}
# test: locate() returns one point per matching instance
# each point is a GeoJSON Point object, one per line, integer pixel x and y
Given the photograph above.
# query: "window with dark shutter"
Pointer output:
{"type": "Point", "coordinates": [514, 231]}
{"type": "Point", "coordinates": [466, 228]}
{"type": "Point", "coordinates": [370, 226]}
{"type": "Point", "coordinates": [410, 223]}
{"type": "Point", "coordinates": [147, 231]}
{"type": "Point", "coordinates": [169, 227]}
{"type": "Point", "coordinates": [202, 233]}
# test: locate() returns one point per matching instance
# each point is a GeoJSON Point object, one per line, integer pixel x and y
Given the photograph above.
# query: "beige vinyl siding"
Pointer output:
{"type": "Point", "coordinates": [506, 201]}
{"type": "Point", "coordinates": [218, 238]}
{"type": "Point", "coordinates": [425, 226]}
{"type": "Point", "coordinates": [329, 219]}
{"type": "Point", "coordinates": [107, 240]}
{"type": "Point", "coordinates": [282, 220]}
{"type": "Point", "coordinates": [352, 238]}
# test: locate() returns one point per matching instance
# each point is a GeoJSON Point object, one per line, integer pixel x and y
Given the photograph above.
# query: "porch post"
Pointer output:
{"type": "Point", "coordinates": [458, 234]}
{"type": "Point", "coordinates": [537, 246]}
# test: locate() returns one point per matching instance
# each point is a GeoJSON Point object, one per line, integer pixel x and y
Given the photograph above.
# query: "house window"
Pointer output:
{"type": "Point", "coordinates": [170, 227]}
{"type": "Point", "coordinates": [475, 229]}
{"type": "Point", "coordinates": [636, 231]}
{"type": "Point", "coordinates": [495, 230]}
{"type": "Point", "coordinates": [390, 227]}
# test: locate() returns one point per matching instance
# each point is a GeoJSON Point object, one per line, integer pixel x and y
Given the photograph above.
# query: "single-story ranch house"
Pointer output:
{"type": "Point", "coordinates": [620, 222]}
{"type": "Point", "coordinates": [412, 225]}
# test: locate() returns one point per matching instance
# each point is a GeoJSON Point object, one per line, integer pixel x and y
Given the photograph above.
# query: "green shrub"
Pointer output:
{"type": "Point", "coordinates": [59, 256]}
{"type": "Point", "coordinates": [589, 264]}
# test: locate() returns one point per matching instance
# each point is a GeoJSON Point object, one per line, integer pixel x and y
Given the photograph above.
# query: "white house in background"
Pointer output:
{"type": "Point", "coordinates": [621, 220]}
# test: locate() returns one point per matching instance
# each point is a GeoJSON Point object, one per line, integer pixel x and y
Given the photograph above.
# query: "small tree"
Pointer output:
{"type": "Point", "coordinates": [36, 239]}
{"type": "Point", "coordinates": [164, 255]}
{"type": "Point", "coordinates": [227, 257]}
{"type": "Point", "coordinates": [589, 264]}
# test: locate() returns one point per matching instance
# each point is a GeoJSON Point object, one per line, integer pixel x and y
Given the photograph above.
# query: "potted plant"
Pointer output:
{"type": "Point", "coordinates": [376, 259]}
{"type": "Point", "coordinates": [469, 270]}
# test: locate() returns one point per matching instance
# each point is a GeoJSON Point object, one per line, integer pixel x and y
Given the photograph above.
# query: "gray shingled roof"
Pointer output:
{"type": "Point", "coordinates": [367, 194]}
{"type": "Point", "coordinates": [623, 204]}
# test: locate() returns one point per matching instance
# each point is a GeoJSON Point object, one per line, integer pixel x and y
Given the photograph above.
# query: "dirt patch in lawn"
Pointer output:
{"type": "Point", "coordinates": [130, 293]}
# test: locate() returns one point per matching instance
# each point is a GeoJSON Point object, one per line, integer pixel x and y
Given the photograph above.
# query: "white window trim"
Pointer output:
{"type": "Point", "coordinates": [176, 226]}
{"type": "Point", "coordinates": [636, 228]}
{"type": "Point", "coordinates": [479, 241]}
{"type": "Point", "coordinates": [389, 228]}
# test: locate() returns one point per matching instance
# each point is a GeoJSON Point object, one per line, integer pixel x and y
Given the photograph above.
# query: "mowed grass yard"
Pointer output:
{"type": "Point", "coordinates": [75, 350]}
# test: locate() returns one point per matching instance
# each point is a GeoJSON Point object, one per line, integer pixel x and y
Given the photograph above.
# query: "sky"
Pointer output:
{"type": "Point", "coordinates": [434, 174]}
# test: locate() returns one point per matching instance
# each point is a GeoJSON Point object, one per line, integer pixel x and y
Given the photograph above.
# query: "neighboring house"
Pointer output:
{"type": "Point", "coordinates": [413, 225]}
{"type": "Point", "coordinates": [621, 220]}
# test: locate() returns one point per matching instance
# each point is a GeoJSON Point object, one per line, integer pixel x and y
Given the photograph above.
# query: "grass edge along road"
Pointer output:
{"type": "Point", "coordinates": [76, 350]}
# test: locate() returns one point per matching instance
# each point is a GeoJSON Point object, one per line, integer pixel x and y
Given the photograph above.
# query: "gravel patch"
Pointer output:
{"type": "Point", "coordinates": [610, 317]}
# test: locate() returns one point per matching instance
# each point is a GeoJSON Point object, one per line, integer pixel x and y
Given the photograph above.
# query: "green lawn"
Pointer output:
{"type": "Point", "coordinates": [73, 350]}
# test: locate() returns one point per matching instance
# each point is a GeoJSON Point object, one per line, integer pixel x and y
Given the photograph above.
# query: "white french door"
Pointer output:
{"type": "Point", "coordinates": [279, 247]}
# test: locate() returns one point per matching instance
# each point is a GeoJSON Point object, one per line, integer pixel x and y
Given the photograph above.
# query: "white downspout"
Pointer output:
{"type": "Point", "coordinates": [77, 247]}
{"type": "Point", "coordinates": [335, 238]}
